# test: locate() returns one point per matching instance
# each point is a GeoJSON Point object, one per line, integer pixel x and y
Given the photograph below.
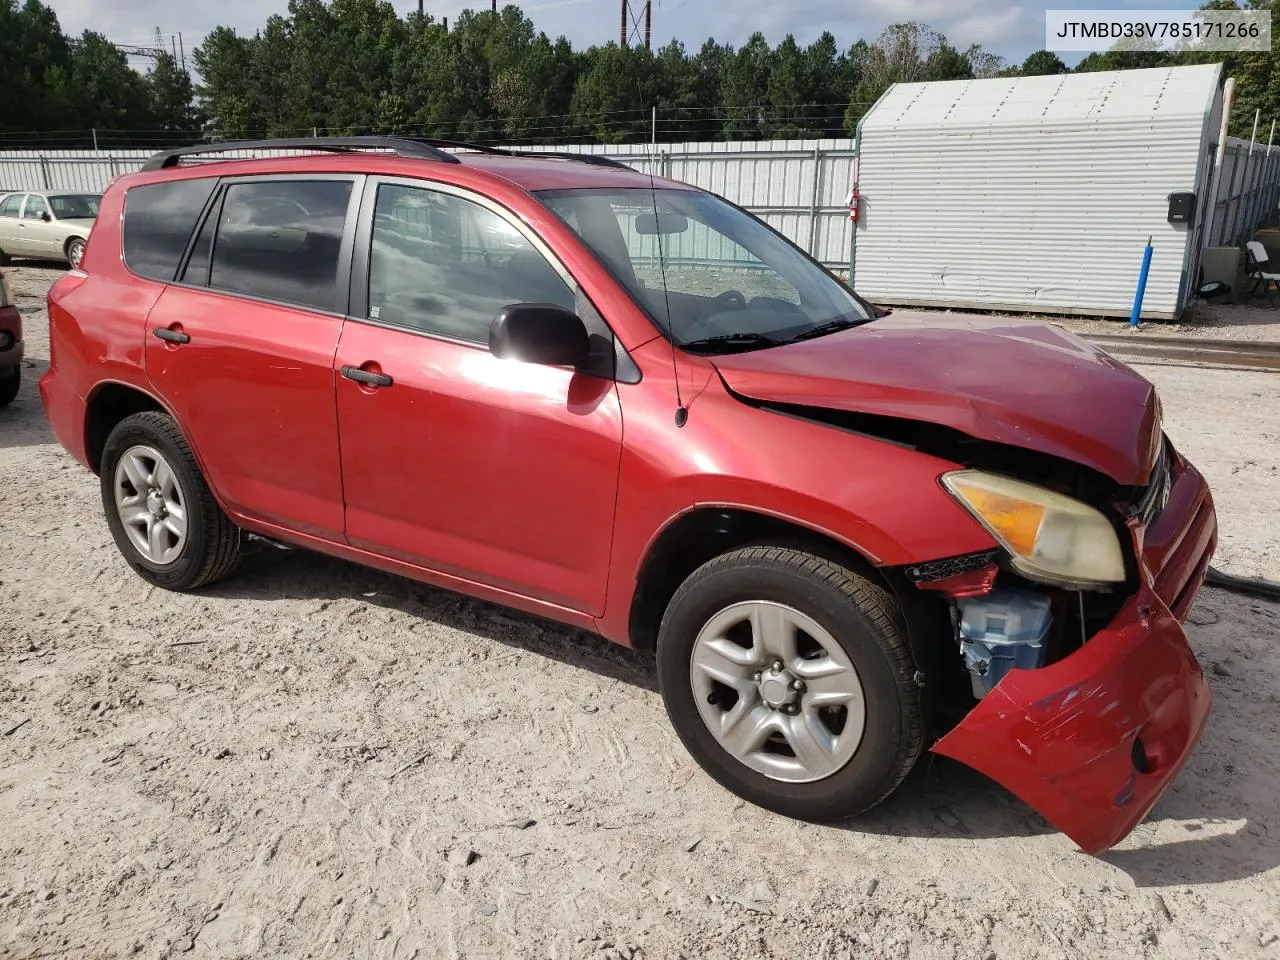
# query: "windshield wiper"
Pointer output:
{"type": "Point", "coordinates": [732, 341]}
{"type": "Point", "coordinates": [833, 326]}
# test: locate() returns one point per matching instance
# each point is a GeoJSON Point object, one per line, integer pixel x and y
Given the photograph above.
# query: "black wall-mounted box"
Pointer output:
{"type": "Point", "coordinates": [1182, 208]}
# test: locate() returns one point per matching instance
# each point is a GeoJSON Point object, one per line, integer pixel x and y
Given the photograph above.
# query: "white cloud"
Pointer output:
{"type": "Point", "coordinates": [1013, 28]}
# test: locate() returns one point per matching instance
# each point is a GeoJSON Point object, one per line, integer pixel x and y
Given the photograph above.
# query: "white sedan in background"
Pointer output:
{"type": "Point", "coordinates": [46, 225]}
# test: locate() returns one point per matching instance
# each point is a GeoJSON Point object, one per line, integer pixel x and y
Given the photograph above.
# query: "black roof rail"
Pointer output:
{"type": "Point", "coordinates": [462, 145]}
{"type": "Point", "coordinates": [400, 146]}
{"type": "Point", "coordinates": [595, 159]}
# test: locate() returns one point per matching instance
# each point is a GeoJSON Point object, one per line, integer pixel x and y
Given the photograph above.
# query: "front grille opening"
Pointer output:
{"type": "Point", "coordinates": [1148, 502]}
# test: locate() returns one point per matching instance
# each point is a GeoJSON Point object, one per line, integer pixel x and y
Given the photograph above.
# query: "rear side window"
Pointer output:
{"type": "Point", "coordinates": [158, 220]}
{"type": "Point", "coordinates": [279, 240]}
{"type": "Point", "coordinates": [11, 204]}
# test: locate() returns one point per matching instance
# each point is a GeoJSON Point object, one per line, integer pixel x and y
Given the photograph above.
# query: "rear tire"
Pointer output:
{"type": "Point", "coordinates": [75, 252]}
{"type": "Point", "coordinates": [161, 512]}
{"type": "Point", "coordinates": [836, 748]}
{"type": "Point", "coordinates": [9, 386]}
{"type": "Point", "coordinates": [4, 259]}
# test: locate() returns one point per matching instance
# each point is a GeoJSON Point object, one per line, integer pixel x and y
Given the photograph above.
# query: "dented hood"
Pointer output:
{"type": "Point", "coordinates": [1016, 382]}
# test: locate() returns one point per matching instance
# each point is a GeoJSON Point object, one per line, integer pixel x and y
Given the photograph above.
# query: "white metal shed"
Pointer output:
{"type": "Point", "coordinates": [1036, 193]}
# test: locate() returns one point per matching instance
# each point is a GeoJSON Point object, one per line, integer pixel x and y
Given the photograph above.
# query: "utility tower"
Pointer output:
{"type": "Point", "coordinates": [637, 27]}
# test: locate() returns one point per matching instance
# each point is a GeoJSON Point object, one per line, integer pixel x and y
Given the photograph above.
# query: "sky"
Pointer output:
{"type": "Point", "coordinates": [1012, 28]}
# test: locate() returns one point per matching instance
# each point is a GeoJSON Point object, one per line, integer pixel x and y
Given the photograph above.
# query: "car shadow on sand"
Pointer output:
{"type": "Point", "coordinates": [22, 422]}
{"type": "Point", "coordinates": [941, 799]}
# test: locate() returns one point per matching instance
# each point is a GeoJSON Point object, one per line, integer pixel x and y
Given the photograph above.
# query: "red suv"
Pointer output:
{"type": "Point", "coordinates": [625, 404]}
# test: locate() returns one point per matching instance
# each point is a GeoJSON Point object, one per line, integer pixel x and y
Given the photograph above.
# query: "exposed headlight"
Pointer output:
{"type": "Point", "coordinates": [1049, 537]}
{"type": "Point", "coordinates": [6, 295]}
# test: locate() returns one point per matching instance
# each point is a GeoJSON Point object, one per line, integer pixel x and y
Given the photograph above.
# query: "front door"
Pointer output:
{"type": "Point", "coordinates": [496, 471]}
{"type": "Point", "coordinates": [242, 347]}
{"type": "Point", "coordinates": [39, 237]}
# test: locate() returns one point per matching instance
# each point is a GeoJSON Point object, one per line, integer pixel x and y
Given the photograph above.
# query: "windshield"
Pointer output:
{"type": "Point", "coordinates": [75, 206]}
{"type": "Point", "coordinates": [710, 276]}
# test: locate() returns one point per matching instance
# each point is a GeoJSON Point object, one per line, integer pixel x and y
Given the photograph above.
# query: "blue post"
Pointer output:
{"type": "Point", "coordinates": [1142, 288]}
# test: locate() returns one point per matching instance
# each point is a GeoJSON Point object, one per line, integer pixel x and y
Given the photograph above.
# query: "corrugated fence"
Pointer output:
{"type": "Point", "coordinates": [797, 186]}
{"type": "Point", "coordinates": [1248, 192]}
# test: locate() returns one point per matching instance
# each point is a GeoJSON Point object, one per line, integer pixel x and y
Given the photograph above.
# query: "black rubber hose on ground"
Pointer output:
{"type": "Point", "coordinates": [1257, 588]}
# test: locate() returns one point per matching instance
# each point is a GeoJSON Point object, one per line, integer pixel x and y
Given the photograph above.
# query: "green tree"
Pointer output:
{"type": "Point", "coordinates": [105, 93]}
{"type": "Point", "coordinates": [789, 93]}
{"type": "Point", "coordinates": [984, 63]}
{"type": "Point", "coordinates": [35, 68]}
{"type": "Point", "coordinates": [1043, 63]}
{"type": "Point", "coordinates": [228, 90]}
{"type": "Point", "coordinates": [829, 86]}
{"type": "Point", "coordinates": [947, 63]}
{"type": "Point", "coordinates": [172, 97]}
{"type": "Point", "coordinates": [744, 91]}
{"type": "Point", "coordinates": [614, 96]}
{"type": "Point", "coordinates": [900, 55]}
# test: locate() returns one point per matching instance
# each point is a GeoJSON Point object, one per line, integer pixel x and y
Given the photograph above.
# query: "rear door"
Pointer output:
{"type": "Point", "coordinates": [499, 472]}
{"type": "Point", "coordinates": [241, 347]}
{"type": "Point", "coordinates": [10, 220]}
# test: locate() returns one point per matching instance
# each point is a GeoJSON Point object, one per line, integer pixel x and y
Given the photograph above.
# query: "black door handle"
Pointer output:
{"type": "Point", "coordinates": [366, 377]}
{"type": "Point", "coordinates": [173, 336]}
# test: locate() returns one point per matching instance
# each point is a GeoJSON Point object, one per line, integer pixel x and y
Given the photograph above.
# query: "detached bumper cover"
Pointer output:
{"type": "Point", "coordinates": [1091, 742]}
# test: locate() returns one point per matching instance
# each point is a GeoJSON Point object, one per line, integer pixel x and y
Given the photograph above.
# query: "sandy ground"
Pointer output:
{"type": "Point", "coordinates": [315, 760]}
{"type": "Point", "coordinates": [1252, 320]}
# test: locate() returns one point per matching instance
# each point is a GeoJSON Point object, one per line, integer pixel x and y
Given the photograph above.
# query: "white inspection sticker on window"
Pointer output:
{"type": "Point", "coordinates": [373, 312]}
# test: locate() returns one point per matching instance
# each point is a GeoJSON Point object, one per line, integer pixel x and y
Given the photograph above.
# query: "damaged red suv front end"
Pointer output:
{"type": "Point", "coordinates": [1092, 741]}
{"type": "Point", "coordinates": [1088, 698]}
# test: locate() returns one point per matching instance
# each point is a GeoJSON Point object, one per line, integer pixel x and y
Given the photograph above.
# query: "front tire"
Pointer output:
{"type": "Point", "coordinates": [790, 680]}
{"type": "Point", "coordinates": [162, 514]}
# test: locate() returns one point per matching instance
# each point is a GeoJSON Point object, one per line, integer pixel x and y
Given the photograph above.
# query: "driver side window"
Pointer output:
{"type": "Point", "coordinates": [36, 208]}
{"type": "Point", "coordinates": [445, 265]}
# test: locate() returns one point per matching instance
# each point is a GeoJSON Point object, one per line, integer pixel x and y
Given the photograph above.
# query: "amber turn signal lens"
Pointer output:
{"type": "Point", "coordinates": [1049, 537]}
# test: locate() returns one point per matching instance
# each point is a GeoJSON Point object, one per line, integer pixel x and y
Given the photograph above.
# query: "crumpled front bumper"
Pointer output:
{"type": "Point", "coordinates": [1092, 741]}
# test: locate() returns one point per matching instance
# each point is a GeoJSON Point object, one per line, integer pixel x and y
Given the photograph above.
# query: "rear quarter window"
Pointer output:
{"type": "Point", "coordinates": [158, 220]}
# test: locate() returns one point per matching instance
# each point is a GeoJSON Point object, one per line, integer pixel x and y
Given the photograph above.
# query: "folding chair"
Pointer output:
{"type": "Point", "coordinates": [1260, 270]}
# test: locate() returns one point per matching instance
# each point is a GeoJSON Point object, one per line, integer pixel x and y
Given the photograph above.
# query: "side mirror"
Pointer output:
{"type": "Point", "coordinates": [45, 216]}
{"type": "Point", "coordinates": [544, 333]}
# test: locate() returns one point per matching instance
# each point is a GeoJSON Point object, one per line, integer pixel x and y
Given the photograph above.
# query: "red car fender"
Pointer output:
{"type": "Point", "coordinates": [725, 456]}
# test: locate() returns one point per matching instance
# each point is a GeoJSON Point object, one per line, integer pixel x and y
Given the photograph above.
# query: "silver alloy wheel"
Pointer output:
{"type": "Point", "coordinates": [151, 504]}
{"type": "Point", "coordinates": [777, 692]}
{"type": "Point", "coordinates": [75, 253]}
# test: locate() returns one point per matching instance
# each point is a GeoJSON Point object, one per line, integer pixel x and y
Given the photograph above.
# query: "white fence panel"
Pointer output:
{"type": "Point", "coordinates": [797, 186]}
